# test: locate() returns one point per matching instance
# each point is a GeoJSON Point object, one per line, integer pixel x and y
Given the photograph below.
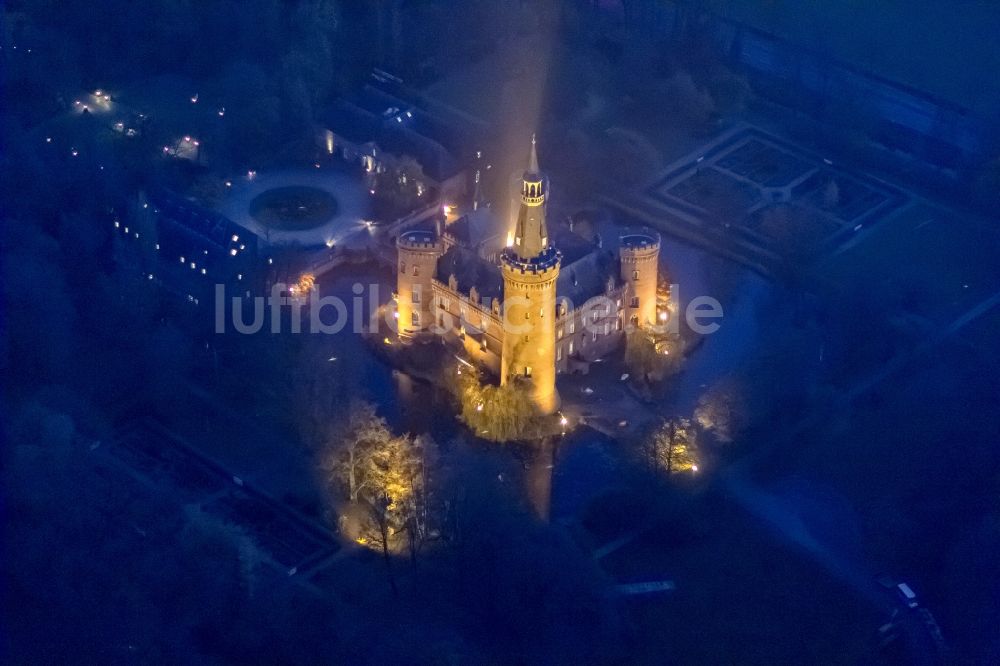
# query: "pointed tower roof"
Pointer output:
{"type": "Point", "coordinates": [531, 236]}
{"type": "Point", "coordinates": [533, 159]}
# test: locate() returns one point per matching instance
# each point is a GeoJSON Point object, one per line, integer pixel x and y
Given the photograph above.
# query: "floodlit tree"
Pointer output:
{"type": "Point", "coordinates": [396, 499]}
{"type": "Point", "coordinates": [385, 477]}
{"type": "Point", "coordinates": [349, 456]}
{"type": "Point", "coordinates": [652, 357]}
{"type": "Point", "coordinates": [498, 413]}
{"type": "Point", "coordinates": [672, 447]}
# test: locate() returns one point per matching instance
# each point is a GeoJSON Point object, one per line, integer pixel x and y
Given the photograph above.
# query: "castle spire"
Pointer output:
{"type": "Point", "coordinates": [531, 236]}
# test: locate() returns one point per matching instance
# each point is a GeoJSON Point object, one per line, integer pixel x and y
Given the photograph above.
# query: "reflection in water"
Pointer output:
{"type": "Point", "coordinates": [416, 406]}
{"type": "Point", "coordinates": [538, 477]}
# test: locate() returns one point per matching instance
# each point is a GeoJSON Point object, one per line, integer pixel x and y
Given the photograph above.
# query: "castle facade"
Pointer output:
{"type": "Point", "coordinates": [526, 299]}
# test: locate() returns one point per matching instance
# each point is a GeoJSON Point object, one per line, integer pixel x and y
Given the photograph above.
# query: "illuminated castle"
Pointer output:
{"type": "Point", "coordinates": [525, 299]}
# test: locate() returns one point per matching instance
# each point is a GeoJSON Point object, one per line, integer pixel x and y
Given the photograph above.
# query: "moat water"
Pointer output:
{"type": "Point", "coordinates": [559, 478]}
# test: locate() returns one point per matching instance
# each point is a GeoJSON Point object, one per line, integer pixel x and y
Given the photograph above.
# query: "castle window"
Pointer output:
{"type": "Point", "coordinates": [635, 302]}
{"type": "Point", "coordinates": [416, 271]}
{"type": "Point", "coordinates": [416, 296]}
{"type": "Point", "coordinates": [415, 318]}
{"type": "Point", "coordinates": [527, 371]}
{"type": "Point", "coordinates": [559, 353]}
{"type": "Point", "coordinates": [572, 327]}
{"type": "Point", "coordinates": [541, 312]}
{"type": "Point", "coordinates": [593, 336]}
{"type": "Point", "coordinates": [559, 333]}
{"type": "Point", "coordinates": [571, 347]}
{"type": "Point", "coordinates": [635, 275]}
{"type": "Point", "coordinates": [402, 267]}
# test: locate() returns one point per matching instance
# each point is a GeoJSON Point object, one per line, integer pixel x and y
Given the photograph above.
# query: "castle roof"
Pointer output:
{"type": "Point", "coordinates": [587, 277]}
{"type": "Point", "coordinates": [470, 270]}
{"type": "Point", "coordinates": [475, 227]}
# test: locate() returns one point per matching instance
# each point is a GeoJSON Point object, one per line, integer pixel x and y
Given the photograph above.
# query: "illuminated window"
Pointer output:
{"type": "Point", "coordinates": [570, 346]}
{"type": "Point", "coordinates": [559, 333]}
{"type": "Point", "coordinates": [527, 371]}
{"type": "Point", "coordinates": [559, 353]}
{"type": "Point", "coordinates": [572, 327]}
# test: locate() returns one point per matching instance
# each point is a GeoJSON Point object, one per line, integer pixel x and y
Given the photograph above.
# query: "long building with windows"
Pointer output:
{"type": "Point", "coordinates": [525, 298]}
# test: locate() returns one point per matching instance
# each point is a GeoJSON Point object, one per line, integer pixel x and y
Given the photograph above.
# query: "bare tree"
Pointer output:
{"type": "Point", "coordinates": [348, 457]}
{"type": "Point", "coordinates": [672, 447]}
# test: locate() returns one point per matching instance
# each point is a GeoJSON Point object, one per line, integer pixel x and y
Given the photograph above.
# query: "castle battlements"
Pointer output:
{"type": "Point", "coordinates": [418, 240]}
{"type": "Point", "coordinates": [541, 265]}
{"type": "Point", "coordinates": [640, 242]}
{"type": "Point", "coordinates": [517, 310]}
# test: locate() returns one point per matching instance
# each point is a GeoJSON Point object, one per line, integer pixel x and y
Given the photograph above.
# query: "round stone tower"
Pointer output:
{"type": "Point", "coordinates": [639, 254]}
{"type": "Point", "coordinates": [417, 253]}
{"type": "Point", "coordinates": [530, 266]}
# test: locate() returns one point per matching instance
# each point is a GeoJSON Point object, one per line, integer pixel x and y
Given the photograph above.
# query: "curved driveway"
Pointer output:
{"type": "Point", "coordinates": [348, 190]}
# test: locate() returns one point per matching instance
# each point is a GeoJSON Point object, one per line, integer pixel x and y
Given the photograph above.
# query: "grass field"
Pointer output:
{"type": "Point", "coordinates": [941, 263]}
